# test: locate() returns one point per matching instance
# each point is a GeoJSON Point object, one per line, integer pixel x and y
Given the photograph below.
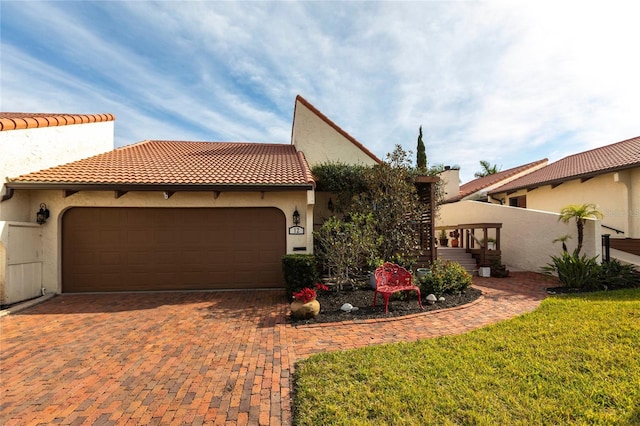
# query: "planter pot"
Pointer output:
{"type": "Point", "coordinates": [454, 243]}
{"type": "Point", "coordinates": [422, 272]}
{"type": "Point", "coordinates": [372, 280]}
{"type": "Point", "coordinates": [443, 242]}
{"type": "Point", "coordinates": [305, 310]}
{"type": "Point", "coordinates": [484, 271]}
{"type": "Point", "coordinates": [491, 245]}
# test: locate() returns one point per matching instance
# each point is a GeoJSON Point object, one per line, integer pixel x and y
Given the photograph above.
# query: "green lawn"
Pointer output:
{"type": "Point", "coordinates": [575, 360]}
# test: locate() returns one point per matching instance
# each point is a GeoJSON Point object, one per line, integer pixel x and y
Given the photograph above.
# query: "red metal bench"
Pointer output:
{"type": "Point", "coordinates": [392, 278]}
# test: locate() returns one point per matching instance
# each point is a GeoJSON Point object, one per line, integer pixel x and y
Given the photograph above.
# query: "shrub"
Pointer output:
{"type": "Point", "coordinates": [344, 180]}
{"type": "Point", "coordinates": [299, 271]}
{"type": "Point", "coordinates": [575, 271]}
{"type": "Point", "coordinates": [446, 277]}
{"type": "Point", "coordinates": [391, 197]}
{"type": "Point", "coordinates": [615, 275]}
{"type": "Point", "coordinates": [346, 247]}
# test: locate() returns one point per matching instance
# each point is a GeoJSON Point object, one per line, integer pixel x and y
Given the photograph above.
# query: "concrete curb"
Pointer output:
{"type": "Point", "coordinates": [27, 304]}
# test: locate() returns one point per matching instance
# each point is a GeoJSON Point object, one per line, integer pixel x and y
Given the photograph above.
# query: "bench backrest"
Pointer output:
{"type": "Point", "coordinates": [392, 275]}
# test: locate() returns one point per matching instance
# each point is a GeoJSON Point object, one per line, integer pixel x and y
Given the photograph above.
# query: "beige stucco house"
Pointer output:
{"type": "Point", "coordinates": [528, 206]}
{"type": "Point", "coordinates": [608, 177]}
{"type": "Point", "coordinates": [166, 215]}
{"type": "Point", "coordinates": [526, 201]}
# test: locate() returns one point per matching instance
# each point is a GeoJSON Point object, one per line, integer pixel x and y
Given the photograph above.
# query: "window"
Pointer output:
{"type": "Point", "coordinates": [520, 201]}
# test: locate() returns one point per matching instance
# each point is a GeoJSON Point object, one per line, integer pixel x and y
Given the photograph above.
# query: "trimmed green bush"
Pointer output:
{"type": "Point", "coordinates": [299, 271]}
{"type": "Point", "coordinates": [446, 277]}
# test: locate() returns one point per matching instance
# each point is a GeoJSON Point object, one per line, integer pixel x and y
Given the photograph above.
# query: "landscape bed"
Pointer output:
{"type": "Point", "coordinates": [362, 298]}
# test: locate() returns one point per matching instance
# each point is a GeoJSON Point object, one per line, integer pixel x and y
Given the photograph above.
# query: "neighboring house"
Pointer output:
{"type": "Point", "coordinates": [477, 189]}
{"type": "Point", "coordinates": [528, 207]}
{"type": "Point", "coordinates": [608, 177]}
{"type": "Point", "coordinates": [167, 215]}
{"type": "Point", "coordinates": [31, 142]}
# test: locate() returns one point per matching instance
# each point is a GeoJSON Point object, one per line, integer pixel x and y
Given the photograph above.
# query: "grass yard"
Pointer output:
{"type": "Point", "coordinates": [575, 360]}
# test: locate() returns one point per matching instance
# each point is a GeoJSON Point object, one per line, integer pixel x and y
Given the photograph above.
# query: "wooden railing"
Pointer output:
{"type": "Point", "coordinates": [482, 240]}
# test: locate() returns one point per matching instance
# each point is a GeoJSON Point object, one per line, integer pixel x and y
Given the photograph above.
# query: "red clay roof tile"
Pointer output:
{"type": "Point", "coordinates": [184, 163]}
{"type": "Point", "coordinates": [27, 120]}
{"type": "Point", "coordinates": [617, 156]}
{"type": "Point", "coordinates": [486, 181]}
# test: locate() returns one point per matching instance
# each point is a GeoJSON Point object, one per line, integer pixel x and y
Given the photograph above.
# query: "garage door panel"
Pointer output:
{"type": "Point", "coordinates": [114, 249]}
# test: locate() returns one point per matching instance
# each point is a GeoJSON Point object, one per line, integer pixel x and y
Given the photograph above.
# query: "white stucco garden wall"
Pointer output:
{"type": "Point", "coordinates": [321, 143]}
{"type": "Point", "coordinates": [51, 232]}
{"type": "Point", "coordinates": [526, 235]}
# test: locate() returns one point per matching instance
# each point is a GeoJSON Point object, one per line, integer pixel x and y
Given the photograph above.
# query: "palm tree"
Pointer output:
{"type": "Point", "coordinates": [580, 212]}
{"type": "Point", "coordinates": [563, 239]}
{"type": "Point", "coordinates": [487, 169]}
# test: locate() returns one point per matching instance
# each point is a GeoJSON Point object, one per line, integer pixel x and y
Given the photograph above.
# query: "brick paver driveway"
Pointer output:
{"type": "Point", "coordinates": [193, 358]}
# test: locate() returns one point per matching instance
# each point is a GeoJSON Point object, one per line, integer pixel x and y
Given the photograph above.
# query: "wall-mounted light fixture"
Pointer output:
{"type": "Point", "coordinates": [296, 217]}
{"type": "Point", "coordinates": [43, 214]}
{"type": "Point", "coordinates": [330, 205]}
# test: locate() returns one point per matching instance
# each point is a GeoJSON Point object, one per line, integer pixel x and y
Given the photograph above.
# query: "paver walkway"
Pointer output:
{"type": "Point", "coordinates": [196, 357]}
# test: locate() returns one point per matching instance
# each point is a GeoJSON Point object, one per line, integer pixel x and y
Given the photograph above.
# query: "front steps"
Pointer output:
{"type": "Point", "coordinates": [460, 255]}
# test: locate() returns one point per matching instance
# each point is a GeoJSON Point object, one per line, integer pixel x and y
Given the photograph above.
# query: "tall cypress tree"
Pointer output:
{"type": "Point", "coordinates": [422, 153]}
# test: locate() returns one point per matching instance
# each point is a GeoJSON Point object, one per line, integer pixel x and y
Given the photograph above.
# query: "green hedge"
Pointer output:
{"type": "Point", "coordinates": [300, 271]}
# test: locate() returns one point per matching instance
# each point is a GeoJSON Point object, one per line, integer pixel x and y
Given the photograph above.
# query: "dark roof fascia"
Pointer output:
{"type": "Point", "coordinates": [565, 179]}
{"type": "Point", "coordinates": [155, 187]}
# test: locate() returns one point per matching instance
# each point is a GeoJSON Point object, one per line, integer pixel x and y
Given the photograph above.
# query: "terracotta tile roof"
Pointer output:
{"type": "Point", "coordinates": [26, 120]}
{"type": "Point", "coordinates": [183, 163]}
{"type": "Point", "coordinates": [487, 181]}
{"type": "Point", "coordinates": [606, 159]}
{"type": "Point", "coordinates": [327, 120]}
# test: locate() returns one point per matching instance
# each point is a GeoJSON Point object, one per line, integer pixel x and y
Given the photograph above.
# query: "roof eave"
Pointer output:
{"type": "Point", "coordinates": [566, 179]}
{"type": "Point", "coordinates": [73, 186]}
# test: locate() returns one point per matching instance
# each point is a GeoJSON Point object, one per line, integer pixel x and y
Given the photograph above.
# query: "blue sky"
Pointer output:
{"type": "Point", "coordinates": [505, 82]}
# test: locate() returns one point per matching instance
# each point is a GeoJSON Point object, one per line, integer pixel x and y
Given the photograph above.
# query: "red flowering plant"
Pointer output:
{"type": "Point", "coordinates": [307, 294]}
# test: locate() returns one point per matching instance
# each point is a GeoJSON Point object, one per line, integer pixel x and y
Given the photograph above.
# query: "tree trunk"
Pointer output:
{"type": "Point", "coordinates": [580, 224]}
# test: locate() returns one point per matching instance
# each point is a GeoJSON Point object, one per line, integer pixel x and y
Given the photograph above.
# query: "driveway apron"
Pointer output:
{"type": "Point", "coordinates": [195, 357]}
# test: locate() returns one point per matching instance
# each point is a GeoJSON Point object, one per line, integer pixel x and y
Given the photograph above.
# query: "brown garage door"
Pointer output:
{"type": "Point", "coordinates": [122, 249]}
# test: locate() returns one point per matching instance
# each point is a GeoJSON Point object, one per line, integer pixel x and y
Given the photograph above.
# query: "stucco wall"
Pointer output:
{"type": "Point", "coordinates": [526, 235]}
{"type": "Point", "coordinates": [287, 202]}
{"type": "Point", "coordinates": [617, 195]}
{"type": "Point", "coordinates": [29, 150]}
{"type": "Point", "coordinates": [451, 182]}
{"type": "Point", "coordinates": [321, 143]}
{"type": "Point", "coordinates": [23, 151]}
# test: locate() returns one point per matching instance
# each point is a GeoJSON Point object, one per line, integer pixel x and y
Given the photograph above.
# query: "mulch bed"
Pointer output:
{"type": "Point", "coordinates": [362, 298]}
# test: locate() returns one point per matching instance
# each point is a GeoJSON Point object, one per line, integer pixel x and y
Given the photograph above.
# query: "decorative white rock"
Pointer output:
{"type": "Point", "coordinates": [441, 299]}
{"type": "Point", "coordinates": [347, 307]}
{"type": "Point", "coordinates": [431, 299]}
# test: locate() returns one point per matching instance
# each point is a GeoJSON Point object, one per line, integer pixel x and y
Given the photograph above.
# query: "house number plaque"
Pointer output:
{"type": "Point", "coordinates": [296, 230]}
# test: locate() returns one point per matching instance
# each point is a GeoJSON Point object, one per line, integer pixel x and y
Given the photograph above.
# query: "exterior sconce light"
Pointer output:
{"type": "Point", "coordinates": [43, 214]}
{"type": "Point", "coordinates": [296, 217]}
{"type": "Point", "coordinates": [330, 205]}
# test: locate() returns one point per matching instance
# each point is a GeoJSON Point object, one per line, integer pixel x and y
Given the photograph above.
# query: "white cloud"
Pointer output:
{"type": "Point", "coordinates": [494, 81]}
